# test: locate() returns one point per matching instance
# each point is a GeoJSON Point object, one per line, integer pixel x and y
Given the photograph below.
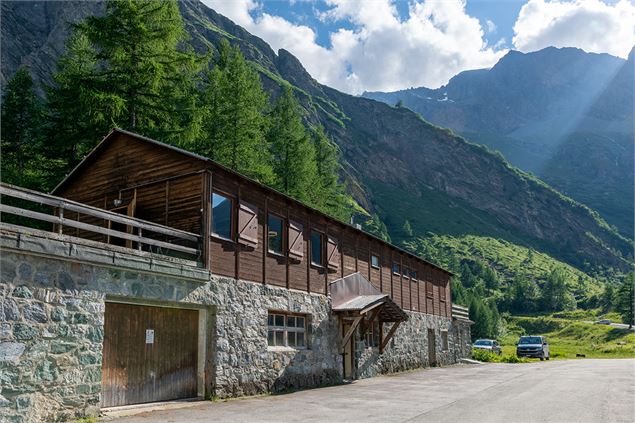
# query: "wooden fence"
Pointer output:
{"type": "Point", "coordinates": [134, 233]}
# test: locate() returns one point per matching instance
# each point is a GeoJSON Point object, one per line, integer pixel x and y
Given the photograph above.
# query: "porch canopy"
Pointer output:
{"type": "Point", "coordinates": [355, 298]}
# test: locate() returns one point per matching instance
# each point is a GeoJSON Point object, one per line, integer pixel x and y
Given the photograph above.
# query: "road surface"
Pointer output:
{"type": "Point", "coordinates": [554, 391]}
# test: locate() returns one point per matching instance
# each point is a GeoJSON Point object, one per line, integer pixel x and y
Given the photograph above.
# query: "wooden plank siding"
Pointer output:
{"type": "Point", "coordinates": [174, 188]}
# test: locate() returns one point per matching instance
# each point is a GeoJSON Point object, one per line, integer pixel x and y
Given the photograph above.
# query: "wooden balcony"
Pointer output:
{"type": "Point", "coordinates": [22, 208]}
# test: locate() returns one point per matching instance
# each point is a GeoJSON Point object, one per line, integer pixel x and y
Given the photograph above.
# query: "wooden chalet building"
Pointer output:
{"type": "Point", "coordinates": [293, 297]}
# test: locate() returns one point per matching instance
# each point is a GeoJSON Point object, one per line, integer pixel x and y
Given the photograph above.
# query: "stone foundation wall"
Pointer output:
{"type": "Point", "coordinates": [51, 334]}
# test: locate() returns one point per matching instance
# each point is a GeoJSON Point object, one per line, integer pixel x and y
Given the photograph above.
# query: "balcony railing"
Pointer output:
{"type": "Point", "coordinates": [460, 312]}
{"type": "Point", "coordinates": [37, 210]}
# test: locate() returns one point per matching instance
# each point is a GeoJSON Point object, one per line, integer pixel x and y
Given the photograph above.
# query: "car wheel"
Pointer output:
{"type": "Point", "coordinates": [548, 357]}
{"type": "Point", "coordinates": [542, 358]}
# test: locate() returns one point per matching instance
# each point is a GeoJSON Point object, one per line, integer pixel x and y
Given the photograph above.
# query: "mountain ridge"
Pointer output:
{"type": "Point", "coordinates": [560, 113]}
{"type": "Point", "coordinates": [389, 151]}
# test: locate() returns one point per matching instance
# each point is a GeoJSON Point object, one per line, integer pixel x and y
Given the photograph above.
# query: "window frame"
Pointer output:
{"type": "Point", "coordinates": [232, 219]}
{"type": "Point", "coordinates": [375, 256]}
{"type": "Point", "coordinates": [372, 337]}
{"type": "Point", "coordinates": [396, 265]}
{"type": "Point", "coordinates": [445, 342]}
{"type": "Point", "coordinates": [283, 235]}
{"type": "Point", "coordinates": [285, 329]}
{"type": "Point", "coordinates": [322, 255]}
{"type": "Point", "coordinates": [413, 275]}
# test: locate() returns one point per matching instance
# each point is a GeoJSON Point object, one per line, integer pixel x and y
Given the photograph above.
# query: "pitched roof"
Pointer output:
{"type": "Point", "coordinates": [92, 155]}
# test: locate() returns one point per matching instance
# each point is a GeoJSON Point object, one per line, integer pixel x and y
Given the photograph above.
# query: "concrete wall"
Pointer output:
{"type": "Point", "coordinates": [52, 302]}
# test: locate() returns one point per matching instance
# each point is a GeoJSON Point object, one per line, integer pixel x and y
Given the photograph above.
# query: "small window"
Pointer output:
{"type": "Point", "coordinates": [444, 340]}
{"type": "Point", "coordinates": [413, 274]}
{"type": "Point", "coordinates": [396, 268]}
{"type": "Point", "coordinates": [374, 261]}
{"type": "Point", "coordinates": [316, 248]}
{"type": "Point", "coordinates": [286, 330]}
{"type": "Point", "coordinates": [221, 216]}
{"type": "Point", "coordinates": [275, 236]}
{"type": "Point", "coordinates": [429, 291]}
{"type": "Point", "coordinates": [406, 273]}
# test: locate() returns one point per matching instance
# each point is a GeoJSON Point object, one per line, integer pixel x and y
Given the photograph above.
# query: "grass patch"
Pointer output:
{"type": "Point", "coordinates": [570, 338]}
{"type": "Point", "coordinates": [488, 357]}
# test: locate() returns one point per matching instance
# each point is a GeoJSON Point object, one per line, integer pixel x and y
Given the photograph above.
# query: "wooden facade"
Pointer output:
{"type": "Point", "coordinates": [166, 185]}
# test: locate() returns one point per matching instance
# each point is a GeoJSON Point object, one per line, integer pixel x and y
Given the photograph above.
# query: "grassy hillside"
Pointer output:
{"type": "Point", "coordinates": [507, 259]}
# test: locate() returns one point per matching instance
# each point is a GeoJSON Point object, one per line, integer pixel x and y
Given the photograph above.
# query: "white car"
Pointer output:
{"type": "Point", "coordinates": [488, 345]}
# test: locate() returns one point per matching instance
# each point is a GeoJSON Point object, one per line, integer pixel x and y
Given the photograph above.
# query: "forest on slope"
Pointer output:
{"type": "Point", "coordinates": [401, 176]}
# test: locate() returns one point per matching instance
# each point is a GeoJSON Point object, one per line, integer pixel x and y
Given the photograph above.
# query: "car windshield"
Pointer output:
{"type": "Point", "coordinates": [530, 340]}
{"type": "Point", "coordinates": [483, 342]}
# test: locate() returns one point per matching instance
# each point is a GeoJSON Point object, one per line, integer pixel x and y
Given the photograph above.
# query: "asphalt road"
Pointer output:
{"type": "Point", "coordinates": [555, 391]}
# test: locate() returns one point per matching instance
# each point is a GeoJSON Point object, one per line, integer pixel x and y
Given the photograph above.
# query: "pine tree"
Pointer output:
{"type": "Point", "coordinates": [146, 76]}
{"type": "Point", "coordinates": [21, 119]}
{"type": "Point", "coordinates": [293, 155]}
{"type": "Point", "coordinates": [234, 121]}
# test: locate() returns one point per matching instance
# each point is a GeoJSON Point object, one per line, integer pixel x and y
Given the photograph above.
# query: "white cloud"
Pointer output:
{"type": "Point", "coordinates": [491, 26]}
{"type": "Point", "coordinates": [591, 25]}
{"type": "Point", "coordinates": [434, 42]}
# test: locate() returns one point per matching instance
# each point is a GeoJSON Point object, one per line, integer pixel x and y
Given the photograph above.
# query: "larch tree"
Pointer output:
{"type": "Point", "coordinates": [146, 71]}
{"type": "Point", "coordinates": [21, 120]}
{"type": "Point", "coordinates": [328, 194]}
{"type": "Point", "coordinates": [294, 161]}
{"type": "Point", "coordinates": [234, 120]}
{"type": "Point", "coordinates": [78, 115]}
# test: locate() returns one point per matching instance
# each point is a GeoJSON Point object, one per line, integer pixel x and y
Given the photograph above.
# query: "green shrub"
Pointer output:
{"type": "Point", "coordinates": [484, 356]}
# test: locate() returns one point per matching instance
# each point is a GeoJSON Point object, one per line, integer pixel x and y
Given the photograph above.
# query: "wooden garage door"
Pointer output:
{"type": "Point", "coordinates": [150, 354]}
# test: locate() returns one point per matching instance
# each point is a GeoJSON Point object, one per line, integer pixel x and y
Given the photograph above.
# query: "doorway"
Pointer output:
{"type": "Point", "coordinates": [349, 355]}
{"type": "Point", "coordinates": [149, 354]}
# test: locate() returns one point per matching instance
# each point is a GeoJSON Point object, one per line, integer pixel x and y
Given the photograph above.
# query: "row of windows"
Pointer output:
{"type": "Point", "coordinates": [277, 234]}
{"type": "Point", "coordinates": [278, 237]}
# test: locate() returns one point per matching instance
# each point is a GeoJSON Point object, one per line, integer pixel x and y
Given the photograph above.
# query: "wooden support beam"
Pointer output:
{"type": "Point", "coordinates": [390, 334]}
{"type": "Point", "coordinates": [350, 332]}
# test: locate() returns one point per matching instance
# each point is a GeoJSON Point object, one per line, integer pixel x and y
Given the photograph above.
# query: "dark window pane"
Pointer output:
{"type": "Point", "coordinates": [299, 322]}
{"type": "Point", "coordinates": [413, 274]}
{"type": "Point", "coordinates": [270, 340]}
{"type": "Point", "coordinates": [316, 248]}
{"type": "Point", "coordinates": [291, 339]}
{"type": "Point", "coordinates": [270, 320]}
{"type": "Point", "coordinates": [279, 320]}
{"type": "Point", "coordinates": [395, 268]}
{"type": "Point", "coordinates": [275, 234]}
{"type": "Point", "coordinates": [221, 216]}
{"type": "Point", "coordinates": [291, 321]}
{"type": "Point", "coordinates": [374, 261]}
{"type": "Point", "coordinates": [280, 339]}
{"type": "Point", "coordinates": [299, 339]}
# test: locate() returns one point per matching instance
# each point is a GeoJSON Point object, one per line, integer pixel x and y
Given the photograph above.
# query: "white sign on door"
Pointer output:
{"type": "Point", "coordinates": [149, 336]}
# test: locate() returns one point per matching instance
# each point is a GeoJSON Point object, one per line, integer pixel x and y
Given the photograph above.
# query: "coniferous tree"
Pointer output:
{"type": "Point", "coordinates": [20, 131]}
{"type": "Point", "coordinates": [234, 121]}
{"type": "Point", "coordinates": [146, 76]}
{"type": "Point", "coordinates": [77, 114]}
{"type": "Point", "coordinates": [329, 195]}
{"type": "Point", "coordinates": [625, 300]}
{"type": "Point", "coordinates": [407, 228]}
{"type": "Point", "coordinates": [293, 154]}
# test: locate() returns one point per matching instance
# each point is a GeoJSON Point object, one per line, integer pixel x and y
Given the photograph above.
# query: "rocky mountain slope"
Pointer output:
{"type": "Point", "coordinates": [562, 114]}
{"type": "Point", "coordinates": [395, 163]}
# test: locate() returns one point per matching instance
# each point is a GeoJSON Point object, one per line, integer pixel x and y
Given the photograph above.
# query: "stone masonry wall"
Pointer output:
{"type": "Point", "coordinates": [51, 334]}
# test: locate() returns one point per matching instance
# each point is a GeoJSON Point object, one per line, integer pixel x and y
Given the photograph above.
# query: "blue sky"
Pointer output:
{"type": "Point", "coordinates": [386, 45]}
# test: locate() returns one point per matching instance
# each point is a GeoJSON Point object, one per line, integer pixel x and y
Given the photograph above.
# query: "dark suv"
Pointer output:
{"type": "Point", "coordinates": [533, 346]}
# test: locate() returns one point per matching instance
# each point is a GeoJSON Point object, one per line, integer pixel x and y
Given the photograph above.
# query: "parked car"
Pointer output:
{"type": "Point", "coordinates": [603, 322]}
{"type": "Point", "coordinates": [533, 346]}
{"type": "Point", "coordinates": [488, 345]}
